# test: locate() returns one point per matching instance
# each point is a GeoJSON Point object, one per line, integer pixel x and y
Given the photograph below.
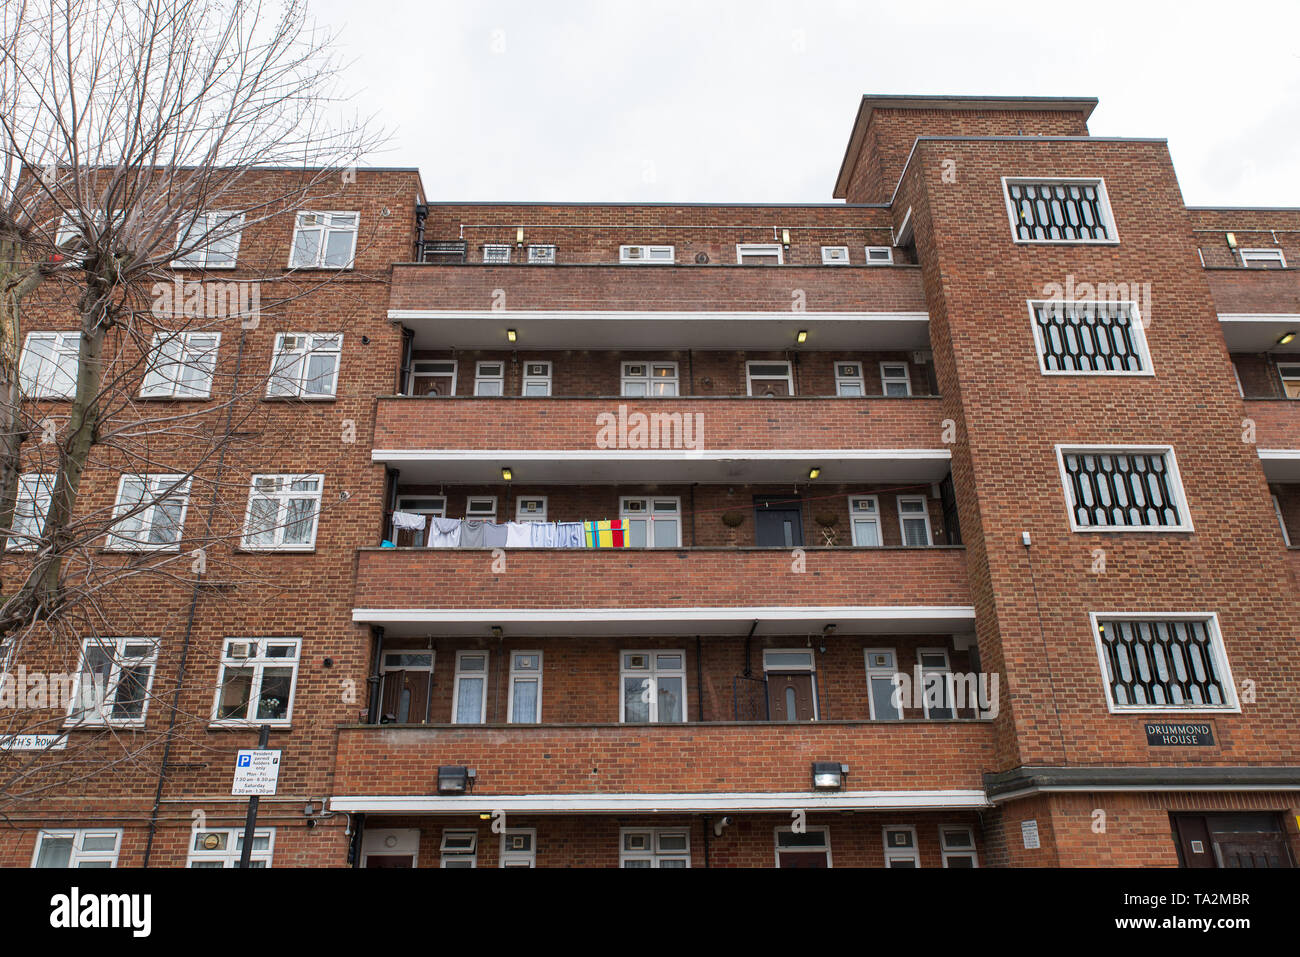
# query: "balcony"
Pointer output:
{"type": "Point", "coordinates": [1277, 424]}
{"type": "Point", "coordinates": [685, 767]}
{"type": "Point", "coordinates": [1243, 293]}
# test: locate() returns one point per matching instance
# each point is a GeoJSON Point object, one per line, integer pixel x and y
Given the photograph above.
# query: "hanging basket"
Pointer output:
{"type": "Point", "coordinates": [733, 519]}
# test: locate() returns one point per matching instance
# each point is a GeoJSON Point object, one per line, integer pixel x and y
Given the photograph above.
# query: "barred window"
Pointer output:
{"type": "Point", "coordinates": [1134, 489]}
{"type": "Point", "coordinates": [1059, 211]}
{"type": "Point", "coordinates": [1163, 663]}
{"type": "Point", "coordinates": [1089, 337]}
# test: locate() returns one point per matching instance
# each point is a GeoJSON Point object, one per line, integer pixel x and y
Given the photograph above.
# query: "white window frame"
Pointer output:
{"type": "Point", "coordinates": [858, 515]}
{"type": "Point", "coordinates": [526, 379]}
{"type": "Point", "coordinates": [482, 378]}
{"type": "Point", "coordinates": [1277, 510]}
{"type": "Point", "coordinates": [648, 515]}
{"type": "Point", "coordinates": [462, 673]}
{"type": "Point", "coordinates": [873, 254]}
{"type": "Point", "coordinates": [902, 516]}
{"type": "Point", "coordinates": [537, 516]}
{"type": "Point", "coordinates": [259, 662]}
{"type": "Point", "coordinates": [759, 249]}
{"type": "Point", "coordinates": [230, 855]}
{"type": "Point", "coordinates": [887, 380]}
{"type": "Point", "coordinates": [1271, 254]}
{"type": "Point", "coordinates": [1136, 323]}
{"type": "Point", "coordinates": [492, 253]}
{"type": "Point", "coordinates": [171, 370]}
{"type": "Point", "coordinates": [157, 490]}
{"type": "Point", "coordinates": [810, 829]}
{"type": "Point", "coordinates": [1103, 194]}
{"type": "Point", "coordinates": [949, 852]}
{"type": "Point", "coordinates": [512, 857]}
{"type": "Point", "coordinates": [949, 699]}
{"type": "Point", "coordinates": [653, 852]}
{"type": "Point", "coordinates": [36, 383]}
{"type": "Point", "coordinates": [78, 857]}
{"type": "Point", "coordinates": [229, 223]}
{"type": "Point", "coordinates": [835, 256]}
{"type": "Point", "coordinates": [325, 228]}
{"type": "Point", "coordinates": [516, 674]}
{"type": "Point", "coordinates": [452, 857]}
{"type": "Point", "coordinates": [439, 375]}
{"type": "Point", "coordinates": [282, 386]}
{"type": "Point", "coordinates": [1175, 477]}
{"type": "Point", "coordinates": [538, 258]}
{"type": "Point", "coordinates": [649, 379]}
{"type": "Point", "coordinates": [653, 673]}
{"type": "Point", "coordinates": [750, 379]}
{"type": "Point", "coordinates": [647, 255]}
{"type": "Point", "coordinates": [881, 671]}
{"type": "Point", "coordinates": [406, 841]}
{"type": "Point", "coordinates": [98, 714]}
{"type": "Point", "coordinates": [1283, 377]}
{"type": "Point", "coordinates": [282, 495]}
{"type": "Point", "coordinates": [859, 380]}
{"type": "Point", "coordinates": [35, 491]}
{"type": "Point", "coordinates": [480, 513]}
{"type": "Point", "coordinates": [1217, 647]}
{"type": "Point", "coordinates": [912, 853]}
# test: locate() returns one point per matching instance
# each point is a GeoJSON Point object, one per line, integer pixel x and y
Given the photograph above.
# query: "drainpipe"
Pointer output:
{"type": "Point", "coordinates": [421, 214]}
{"type": "Point", "coordinates": [699, 676]}
{"type": "Point", "coordinates": [404, 384]}
{"type": "Point", "coordinates": [354, 846]}
{"type": "Point", "coordinates": [749, 664]}
{"type": "Point", "coordinates": [708, 826]}
{"type": "Point", "coordinates": [376, 675]}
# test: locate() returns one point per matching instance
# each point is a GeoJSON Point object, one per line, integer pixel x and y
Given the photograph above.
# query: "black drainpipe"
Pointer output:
{"type": "Point", "coordinates": [376, 676]}
{"type": "Point", "coordinates": [421, 214]}
{"type": "Point", "coordinates": [749, 664]}
{"type": "Point", "coordinates": [404, 383]}
{"type": "Point", "coordinates": [699, 675]}
{"type": "Point", "coordinates": [708, 826]}
{"type": "Point", "coordinates": [354, 847]}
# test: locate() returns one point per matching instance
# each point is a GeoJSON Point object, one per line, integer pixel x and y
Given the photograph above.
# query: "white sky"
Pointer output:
{"type": "Point", "coordinates": [712, 101]}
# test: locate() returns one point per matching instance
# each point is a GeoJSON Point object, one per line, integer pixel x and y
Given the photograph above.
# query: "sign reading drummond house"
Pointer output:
{"type": "Point", "coordinates": [1160, 734]}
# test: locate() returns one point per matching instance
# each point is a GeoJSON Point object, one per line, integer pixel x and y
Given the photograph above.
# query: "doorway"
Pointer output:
{"type": "Point", "coordinates": [1231, 840]}
{"type": "Point", "coordinates": [778, 522]}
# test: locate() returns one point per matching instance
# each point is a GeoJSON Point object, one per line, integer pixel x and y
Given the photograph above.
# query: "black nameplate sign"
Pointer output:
{"type": "Point", "coordinates": [1185, 734]}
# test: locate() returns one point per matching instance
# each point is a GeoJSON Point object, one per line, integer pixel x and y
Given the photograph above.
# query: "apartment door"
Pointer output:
{"type": "Point", "coordinates": [428, 507]}
{"type": "Point", "coordinates": [777, 522]}
{"type": "Point", "coordinates": [407, 677]}
{"type": "Point", "coordinates": [790, 696]}
{"type": "Point", "coordinates": [433, 377]}
{"type": "Point", "coordinates": [1231, 840]}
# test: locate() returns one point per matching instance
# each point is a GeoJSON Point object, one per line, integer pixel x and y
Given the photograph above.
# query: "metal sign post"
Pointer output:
{"type": "Point", "coordinates": [248, 762]}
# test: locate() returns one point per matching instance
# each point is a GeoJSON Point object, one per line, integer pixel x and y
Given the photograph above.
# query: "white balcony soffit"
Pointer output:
{"type": "Point", "coordinates": [1260, 331]}
{"type": "Point", "coordinates": [1281, 465]}
{"type": "Point", "coordinates": [656, 331]}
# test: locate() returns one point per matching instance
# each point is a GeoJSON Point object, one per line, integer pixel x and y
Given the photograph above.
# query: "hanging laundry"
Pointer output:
{"type": "Point", "coordinates": [411, 520]}
{"type": "Point", "coordinates": [518, 535]}
{"type": "Point", "coordinates": [543, 535]}
{"type": "Point", "coordinates": [444, 532]}
{"type": "Point", "coordinates": [605, 533]}
{"type": "Point", "coordinates": [569, 535]}
{"type": "Point", "coordinates": [473, 533]}
{"type": "Point", "coordinates": [494, 535]}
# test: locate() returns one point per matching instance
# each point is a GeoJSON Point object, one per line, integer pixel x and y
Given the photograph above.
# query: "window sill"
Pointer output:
{"type": "Point", "coordinates": [248, 550]}
{"type": "Point", "coordinates": [176, 398]}
{"type": "Point", "coordinates": [274, 725]}
{"type": "Point", "coordinates": [300, 398]}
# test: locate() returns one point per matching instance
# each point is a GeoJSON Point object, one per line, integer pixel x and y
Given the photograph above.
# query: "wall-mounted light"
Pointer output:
{"type": "Point", "coordinates": [485, 815]}
{"type": "Point", "coordinates": [829, 775]}
{"type": "Point", "coordinates": [801, 336]}
{"type": "Point", "coordinates": [1231, 239]}
{"type": "Point", "coordinates": [785, 238]}
{"type": "Point", "coordinates": [814, 473]}
{"type": "Point", "coordinates": [1286, 338]}
{"type": "Point", "coordinates": [455, 779]}
{"type": "Point", "coordinates": [511, 335]}
{"type": "Point", "coordinates": [497, 631]}
{"type": "Point", "coordinates": [507, 474]}
{"type": "Point", "coordinates": [519, 236]}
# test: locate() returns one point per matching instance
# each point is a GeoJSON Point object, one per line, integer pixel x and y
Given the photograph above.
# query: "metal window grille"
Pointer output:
{"type": "Point", "coordinates": [1088, 337]}
{"type": "Point", "coordinates": [1122, 489]}
{"type": "Point", "coordinates": [1158, 663]}
{"type": "Point", "coordinates": [1059, 211]}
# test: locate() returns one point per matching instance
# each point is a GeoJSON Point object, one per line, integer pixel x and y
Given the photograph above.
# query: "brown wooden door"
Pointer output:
{"type": "Point", "coordinates": [1252, 850]}
{"type": "Point", "coordinates": [389, 860]}
{"type": "Point", "coordinates": [1231, 840]}
{"type": "Point", "coordinates": [405, 697]}
{"type": "Point", "coordinates": [790, 696]}
{"type": "Point", "coordinates": [803, 859]}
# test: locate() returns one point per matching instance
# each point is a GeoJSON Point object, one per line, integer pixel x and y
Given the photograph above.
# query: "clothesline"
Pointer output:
{"type": "Point", "coordinates": [476, 533]}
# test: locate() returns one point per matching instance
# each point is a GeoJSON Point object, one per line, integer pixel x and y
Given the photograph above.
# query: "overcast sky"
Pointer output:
{"type": "Point", "coordinates": [710, 101]}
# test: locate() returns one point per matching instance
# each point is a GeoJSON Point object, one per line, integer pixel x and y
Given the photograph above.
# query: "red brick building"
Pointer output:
{"type": "Point", "coordinates": [1008, 420]}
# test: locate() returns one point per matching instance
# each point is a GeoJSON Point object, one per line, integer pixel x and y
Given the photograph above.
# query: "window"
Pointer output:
{"type": "Point", "coordinates": [649, 378]}
{"type": "Point", "coordinates": [283, 512]}
{"type": "Point", "coordinates": [1089, 336]}
{"type": "Point", "coordinates": [864, 517]}
{"type": "Point", "coordinates": [430, 377]}
{"type": "Point", "coordinates": [812, 848]}
{"type": "Point", "coordinates": [1289, 372]}
{"type": "Point", "coordinates": [835, 255]}
{"type": "Point", "coordinates": [882, 665]}
{"type": "Point", "coordinates": [305, 365]}
{"type": "Point", "coordinates": [530, 509]}
{"type": "Point", "coordinates": [537, 379]}
{"type": "Point", "coordinates": [541, 255]}
{"type": "Point", "coordinates": [48, 367]}
{"type": "Point", "coordinates": [113, 681]}
{"type": "Point", "coordinates": [900, 847]}
{"type": "Point", "coordinates": [224, 848]}
{"type": "Point", "coordinates": [654, 687]}
{"type": "Point", "coordinates": [484, 507]}
{"type": "Point", "coordinates": [849, 380]}
{"type": "Point", "coordinates": [390, 847]}
{"type": "Point", "coordinates": [768, 378]}
{"type": "Point", "coordinates": [525, 705]}
{"type": "Point", "coordinates": [654, 847]}
{"type": "Point", "coordinates": [957, 845]}
{"type": "Point", "coordinates": [646, 255]}
{"type": "Point", "coordinates": [1128, 489]}
{"type": "Point", "coordinates": [215, 238]}
{"type": "Point", "coordinates": [324, 241]}
{"type": "Point", "coordinates": [1059, 211]}
{"type": "Point", "coordinates": [181, 366]}
{"type": "Point", "coordinates": [652, 522]}
{"type": "Point", "coordinates": [914, 520]}
{"type": "Point", "coordinates": [763, 254]}
{"type": "Point", "coordinates": [496, 253]}
{"type": "Point", "coordinates": [469, 698]}
{"type": "Point", "coordinates": [490, 378]}
{"type": "Point", "coordinates": [1164, 662]}
{"type": "Point", "coordinates": [1263, 259]}
{"type": "Point", "coordinates": [459, 848]}
{"type": "Point", "coordinates": [880, 255]}
{"type": "Point", "coordinates": [936, 683]}
{"type": "Point", "coordinates": [83, 848]}
{"type": "Point", "coordinates": [1277, 510]}
{"type": "Point", "coordinates": [257, 681]}
{"type": "Point", "coordinates": [895, 379]}
{"type": "Point", "coordinates": [519, 847]}
{"type": "Point", "coordinates": [30, 508]}
{"type": "Point", "coordinates": [150, 512]}
{"type": "Point", "coordinates": [70, 226]}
